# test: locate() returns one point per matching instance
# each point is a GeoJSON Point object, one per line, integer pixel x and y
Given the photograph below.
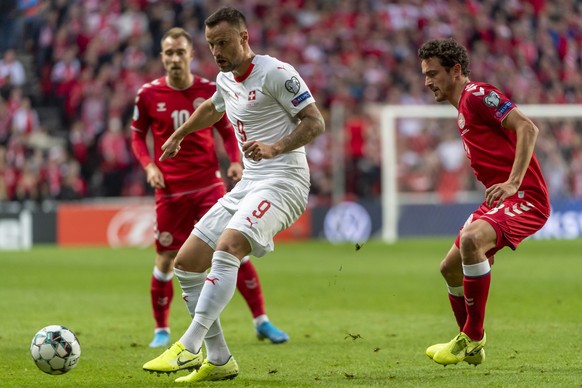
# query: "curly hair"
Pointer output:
{"type": "Point", "coordinates": [449, 53]}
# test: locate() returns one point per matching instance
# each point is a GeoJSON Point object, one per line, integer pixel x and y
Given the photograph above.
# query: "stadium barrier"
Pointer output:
{"type": "Point", "coordinates": [130, 223]}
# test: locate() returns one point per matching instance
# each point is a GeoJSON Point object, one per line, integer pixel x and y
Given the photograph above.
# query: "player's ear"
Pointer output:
{"type": "Point", "coordinates": [244, 35]}
{"type": "Point", "coordinates": [457, 70]}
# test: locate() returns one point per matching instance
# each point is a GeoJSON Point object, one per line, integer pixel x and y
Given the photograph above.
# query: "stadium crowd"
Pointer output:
{"type": "Point", "coordinates": [86, 59]}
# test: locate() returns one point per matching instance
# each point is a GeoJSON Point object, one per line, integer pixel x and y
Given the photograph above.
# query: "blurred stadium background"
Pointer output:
{"type": "Point", "coordinates": [69, 72]}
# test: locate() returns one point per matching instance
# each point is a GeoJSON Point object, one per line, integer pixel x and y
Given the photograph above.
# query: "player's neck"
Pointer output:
{"type": "Point", "coordinates": [244, 65]}
{"type": "Point", "coordinates": [458, 91]}
{"type": "Point", "coordinates": [180, 83]}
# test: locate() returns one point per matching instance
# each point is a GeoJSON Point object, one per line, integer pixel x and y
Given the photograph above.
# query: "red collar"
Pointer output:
{"type": "Point", "coordinates": [245, 75]}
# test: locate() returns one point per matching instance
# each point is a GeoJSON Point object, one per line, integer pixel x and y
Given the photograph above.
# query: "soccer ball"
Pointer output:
{"type": "Point", "coordinates": [55, 349]}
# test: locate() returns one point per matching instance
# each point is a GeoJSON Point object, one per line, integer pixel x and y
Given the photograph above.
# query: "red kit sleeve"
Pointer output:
{"type": "Point", "coordinates": [226, 131]}
{"type": "Point", "coordinates": [140, 148]}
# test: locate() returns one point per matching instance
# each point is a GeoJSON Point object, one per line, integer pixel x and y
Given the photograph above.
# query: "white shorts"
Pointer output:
{"type": "Point", "coordinates": [256, 208]}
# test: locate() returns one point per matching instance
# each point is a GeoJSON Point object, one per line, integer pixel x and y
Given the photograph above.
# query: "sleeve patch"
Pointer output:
{"type": "Point", "coordinates": [300, 98]}
{"type": "Point", "coordinates": [292, 85]}
{"type": "Point", "coordinates": [492, 99]}
{"type": "Point", "coordinates": [503, 109]}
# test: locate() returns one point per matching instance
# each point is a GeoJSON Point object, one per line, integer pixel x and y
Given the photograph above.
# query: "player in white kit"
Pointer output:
{"type": "Point", "coordinates": [274, 116]}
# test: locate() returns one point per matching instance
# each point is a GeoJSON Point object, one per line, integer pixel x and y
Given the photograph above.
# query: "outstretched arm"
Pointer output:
{"type": "Point", "coordinates": [204, 116]}
{"type": "Point", "coordinates": [311, 126]}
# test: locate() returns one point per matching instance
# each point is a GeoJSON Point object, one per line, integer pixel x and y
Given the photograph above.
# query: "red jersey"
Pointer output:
{"type": "Point", "coordinates": [490, 147]}
{"type": "Point", "coordinates": [162, 109]}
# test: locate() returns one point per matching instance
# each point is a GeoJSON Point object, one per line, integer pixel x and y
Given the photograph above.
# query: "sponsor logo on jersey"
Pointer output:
{"type": "Point", "coordinates": [492, 100]}
{"type": "Point", "coordinates": [300, 98]}
{"type": "Point", "coordinates": [161, 107]}
{"type": "Point", "coordinates": [503, 109]}
{"type": "Point", "coordinates": [252, 95]}
{"type": "Point", "coordinates": [292, 85]}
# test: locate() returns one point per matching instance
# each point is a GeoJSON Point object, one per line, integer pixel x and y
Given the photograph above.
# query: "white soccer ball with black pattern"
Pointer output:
{"type": "Point", "coordinates": [55, 349]}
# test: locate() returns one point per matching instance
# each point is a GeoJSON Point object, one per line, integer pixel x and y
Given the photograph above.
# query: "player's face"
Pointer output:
{"type": "Point", "coordinates": [227, 46]}
{"type": "Point", "coordinates": [438, 79]}
{"type": "Point", "coordinates": [176, 56]}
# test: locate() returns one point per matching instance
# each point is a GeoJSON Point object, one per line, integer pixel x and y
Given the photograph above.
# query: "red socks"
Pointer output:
{"type": "Point", "coordinates": [476, 292]}
{"type": "Point", "coordinates": [250, 288]}
{"type": "Point", "coordinates": [459, 309]}
{"type": "Point", "coordinates": [162, 294]}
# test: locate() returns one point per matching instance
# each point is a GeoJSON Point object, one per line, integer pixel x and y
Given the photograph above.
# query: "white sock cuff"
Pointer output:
{"type": "Point", "coordinates": [163, 277]}
{"type": "Point", "coordinates": [189, 277]}
{"type": "Point", "coordinates": [260, 319]}
{"type": "Point", "coordinates": [456, 291]}
{"type": "Point", "coordinates": [221, 257]}
{"type": "Point", "coordinates": [476, 270]}
{"type": "Point", "coordinates": [215, 329]}
{"type": "Point", "coordinates": [245, 259]}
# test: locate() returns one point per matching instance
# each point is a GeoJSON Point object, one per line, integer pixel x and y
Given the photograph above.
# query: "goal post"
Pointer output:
{"type": "Point", "coordinates": [389, 116]}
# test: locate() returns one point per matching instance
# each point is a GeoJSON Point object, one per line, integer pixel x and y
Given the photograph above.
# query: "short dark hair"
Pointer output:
{"type": "Point", "coordinates": [232, 16]}
{"type": "Point", "coordinates": [449, 53]}
{"type": "Point", "coordinates": [176, 33]}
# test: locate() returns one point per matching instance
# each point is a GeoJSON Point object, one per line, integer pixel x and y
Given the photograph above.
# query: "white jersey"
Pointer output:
{"type": "Point", "coordinates": [261, 105]}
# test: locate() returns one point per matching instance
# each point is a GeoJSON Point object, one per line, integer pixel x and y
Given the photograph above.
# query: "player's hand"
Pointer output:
{"type": "Point", "coordinates": [257, 151]}
{"type": "Point", "coordinates": [496, 194]}
{"type": "Point", "coordinates": [234, 171]}
{"type": "Point", "coordinates": [171, 148]}
{"type": "Point", "coordinates": [154, 176]}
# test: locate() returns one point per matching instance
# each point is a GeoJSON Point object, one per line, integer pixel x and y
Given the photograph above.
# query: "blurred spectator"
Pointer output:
{"type": "Point", "coordinates": [5, 122]}
{"type": "Point", "coordinates": [12, 72]}
{"type": "Point", "coordinates": [8, 24]}
{"type": "Point", "coordinates": [90, 56]}
{"type": "Point", "coordinates": [451, 156]}
{"type": "Point", "coordinates": [116, 158]}
{"type": "Point", "coordinates": [25, 118]}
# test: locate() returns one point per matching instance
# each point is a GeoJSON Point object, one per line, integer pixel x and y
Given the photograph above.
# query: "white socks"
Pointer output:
{"type": "Point", "coordinates": [477, 270]}
{"type": "Point", "coordinates": [191, 284]}
{"type": "Point", "coordinates": [161, 276]}
{"type": "Point", "coordinates": [217, 290]}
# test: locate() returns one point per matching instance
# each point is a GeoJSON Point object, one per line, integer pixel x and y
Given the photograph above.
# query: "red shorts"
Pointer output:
{"type": "Point", "coordinates": [177, 215]}
{"type": "Point", "coordinates": [513, 221]}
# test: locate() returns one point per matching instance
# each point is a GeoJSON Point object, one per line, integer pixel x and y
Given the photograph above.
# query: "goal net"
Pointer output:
{"type": "Point", "coordinates": [427, 185]}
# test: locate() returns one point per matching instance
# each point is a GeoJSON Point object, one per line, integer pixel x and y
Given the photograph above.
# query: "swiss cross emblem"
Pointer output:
{"type": "Point", "coordinates": [252, 95]}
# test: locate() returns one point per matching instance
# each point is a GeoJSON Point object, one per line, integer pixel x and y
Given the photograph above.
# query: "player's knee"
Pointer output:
{"type": "Point", "coordinates": [450, 271]}
{"type": "Point", "coordinates": [234, 242]}
{"type": "Point", "coordinates": [470, 243]}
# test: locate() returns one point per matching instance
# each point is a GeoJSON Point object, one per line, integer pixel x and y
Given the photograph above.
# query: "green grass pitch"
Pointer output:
{"type": "Point", "coordinates": [356, 317]}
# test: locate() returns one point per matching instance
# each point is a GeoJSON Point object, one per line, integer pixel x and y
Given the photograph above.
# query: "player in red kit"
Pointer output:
{"type": "Point", "coordinates": [188, 185]}
{"type": "Point", "coordinates": [499, 141]}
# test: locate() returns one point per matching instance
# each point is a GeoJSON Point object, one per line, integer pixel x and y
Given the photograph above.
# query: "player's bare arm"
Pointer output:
{"type": "Point", "coordinates": [204, 116]}
{"type": "Point", "coordinates": [311, 126]}
{"type": "Point", "coordinates": [527, 133]}
{"type": "Point", "coordinates": [154, 176]}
